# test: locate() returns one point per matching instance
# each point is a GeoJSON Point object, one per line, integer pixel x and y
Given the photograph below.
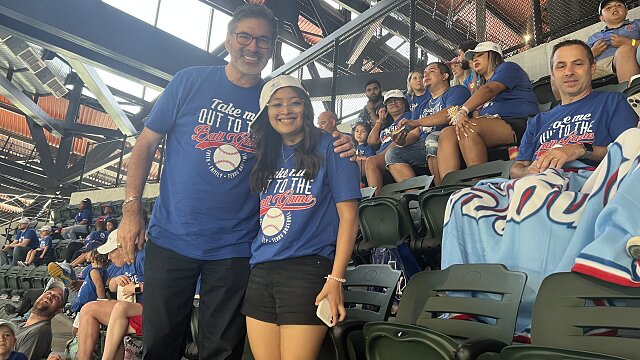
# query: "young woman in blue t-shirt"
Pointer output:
{"type": "Point", "coordinates": [308, 226]}
{"type": "Point", "coordinates": [495, 114]}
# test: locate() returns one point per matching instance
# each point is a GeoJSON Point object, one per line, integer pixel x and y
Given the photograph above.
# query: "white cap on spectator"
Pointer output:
{"type": "Point", "coordinates": [10, 325]}
{"type": "Point", "coordinates": [393, 94]}
{"type": "Point", "coordinates": [45, 228]}
{"type": "Point", "coordinates": [271, 87]}
{"type": "Point", "coordinates": [24, 221]}
{"type": "Point", "coordinates": [483, 47]}
{"type": "Point", "coordinates": [111, 244]}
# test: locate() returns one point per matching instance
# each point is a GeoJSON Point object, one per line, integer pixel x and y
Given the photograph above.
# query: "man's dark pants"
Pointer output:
{"type": "Point", "coordinates": [169, 287]}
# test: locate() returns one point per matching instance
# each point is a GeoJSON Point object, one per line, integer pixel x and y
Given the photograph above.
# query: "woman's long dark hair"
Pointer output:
{"type": "Point", "coordinates": [268, 147]}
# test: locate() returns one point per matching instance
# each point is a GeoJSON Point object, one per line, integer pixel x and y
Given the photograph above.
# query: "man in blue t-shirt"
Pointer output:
{"type": "Point", "coordinates": [426, 120]}
{"type": "Point", "coordinates": [206, 216]}
{"type": "Point", "coordinates": [574, 134]}
{"type": "Point", "coordinates": [615, 47]}
{"type": "Point", "coordinates": [26, 239]}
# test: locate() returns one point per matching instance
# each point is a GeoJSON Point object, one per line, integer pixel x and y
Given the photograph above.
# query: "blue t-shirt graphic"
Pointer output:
{"type": "Point", "coordinates": [205, 209]}
{"type": "Point", "coordinates": [298, 217]}
{"type": "Point", "coordinates": [598, 119]}
{"type": "Point", "coordinates": [98, 235]}
{"type": "Point", "coordinates": [45, 241]}
{"type": "Point", "coordinates": [630, 29]}
{"type": "Point", "coordinates": [30, 236]}
{"type": "Point", "coordinates": [84, 215]}
{"type": "Point", "coordinates": [415, 101]}
{"type": "Point", "coordinates": [134, 271]}
{"type": "Point", "coordinates": [385, 134]}
{"type": "Point", "coordinates": [517, 100]}
{"type": "Point", "coordinates": [365, 150]}
{"type": "Point", "coordinates": [453, 96]}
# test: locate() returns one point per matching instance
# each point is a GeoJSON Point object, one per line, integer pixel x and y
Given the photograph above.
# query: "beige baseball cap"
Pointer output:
{"type": "Point", "coordinates": [272, 86]}
{"type": "Point", "coordinates": [483, 47]}
{"type": "Point", "coordinates": [393, 94]}
{"type": "Point", "coordinates": [10, 325]}
{"type": "Point", "coordinates": [45, 228]}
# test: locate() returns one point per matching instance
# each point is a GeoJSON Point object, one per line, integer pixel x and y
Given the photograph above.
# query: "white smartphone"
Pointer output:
{"type": "Point", "coordinates": [324, 312]}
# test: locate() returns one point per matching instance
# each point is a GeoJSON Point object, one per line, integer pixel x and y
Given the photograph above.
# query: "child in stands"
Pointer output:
{"type": "Point", "coordinates": [308, 208]}
{"type": "Point", "coordinates": [93, 286]}
{"type": "Point", "coordinates": [363, 150]}
{"type": "Point", "coordinates": [40, 252]}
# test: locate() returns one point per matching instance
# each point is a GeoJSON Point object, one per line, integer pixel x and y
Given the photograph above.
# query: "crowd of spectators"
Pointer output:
{"type": "Point", "coordinates": [448, 118]}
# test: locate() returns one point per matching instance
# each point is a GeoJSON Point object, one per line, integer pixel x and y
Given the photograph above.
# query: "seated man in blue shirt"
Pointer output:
{"type": "Point", "coordinates": [615, 47]}
{"type": "Point", "coordinates": [26, 239]}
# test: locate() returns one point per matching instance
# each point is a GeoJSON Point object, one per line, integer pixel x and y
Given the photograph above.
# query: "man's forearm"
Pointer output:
{"type": "Point", "coordinates": [439, 118]}
{"type": "Point", "coordinates": [140, 162]}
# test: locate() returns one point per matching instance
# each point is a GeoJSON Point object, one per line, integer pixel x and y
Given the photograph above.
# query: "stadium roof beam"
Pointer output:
{"type": "Point", "coordinates": [354, 84]}
{"type": "Point", "coordinates": [100, 34]}
{"type": "Point", "coordinates": [41, 144]}
{"type": "Point", "coordinates": [98, 88]}
{"type": "Point", "coordinates": [28, 107]}
{"type": "Point", "coordinates": [73, 109]}
{"type": "Point", "coordinates": [325, 45]}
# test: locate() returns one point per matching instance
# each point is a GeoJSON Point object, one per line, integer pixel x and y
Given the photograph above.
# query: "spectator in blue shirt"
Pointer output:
{"type": "Point", "coordinates": [615, 47]}
{"type": "Point", "coordinates": [495, 114]}
{"type": "Point", "coordinates": [42, 251]}
{"type": "Point", "coordinates": [82, 222]}
{"type": "Point", "coordinates": [26, 239]}
{"type": "Point", "coordinates": [416, 92]}
{"type": "Point", "coordinates": [427, 121]}
{"type": "Point", "coordinates": [99, 236]}
{"type": "Point", "coordinates": [308, 213]}
{"type": "Point", "coordinates": [396, 108]}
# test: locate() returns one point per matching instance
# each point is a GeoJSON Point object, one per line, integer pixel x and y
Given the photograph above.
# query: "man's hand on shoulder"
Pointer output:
{"type": "Point", "coordinates": [344, 145]}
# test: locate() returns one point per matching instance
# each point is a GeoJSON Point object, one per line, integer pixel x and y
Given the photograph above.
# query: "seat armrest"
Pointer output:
{"type": "Point", "coordinates": [470, 349]}
{"type": "Point", "coordinates": [340, 335]}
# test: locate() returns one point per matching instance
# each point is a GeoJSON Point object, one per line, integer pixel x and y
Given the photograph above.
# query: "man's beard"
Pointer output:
{"type": "Point", "coordinates": [44, 311]}
{"type": "Point", "coordinates": [376, 99]}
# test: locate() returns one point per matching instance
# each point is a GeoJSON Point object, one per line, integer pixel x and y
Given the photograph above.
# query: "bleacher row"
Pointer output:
{"type": "Point", "coordinates": [65, 216]}
{"type": "Point", "coordinates": [434, 323]}
{"type": "Point", "coordinates": [15, 280]}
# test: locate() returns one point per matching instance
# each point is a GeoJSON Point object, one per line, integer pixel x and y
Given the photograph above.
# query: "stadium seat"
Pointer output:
{"type": "Point", "coordinates": [368, 294]}
{"type": "Point", "coordinates": [11, 273]}
{"type": "Point", "coordinates": [419, 331]}
{"type": "Point", "coordinates": [22, 282]}
{"type": "Point", "coordinates": [38, 277]}
{"type": "Point", "coordinates": [471, 175]}
{"type": "Point", "coordinates": [564, 314]}
{"type": "Point", "coordinates": [61, 248]}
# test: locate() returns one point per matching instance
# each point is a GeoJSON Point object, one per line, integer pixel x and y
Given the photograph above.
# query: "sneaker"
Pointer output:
{"type": "Point", "coordinates": [60, 272]}
{"type": "Point", "coordinates": [22, 263]}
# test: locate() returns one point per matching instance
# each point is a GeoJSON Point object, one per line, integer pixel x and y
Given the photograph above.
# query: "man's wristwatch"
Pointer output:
{"type": "Point", "coordinates": [136, 289]}
{"type": "Point", "coordinates": [588, 150]}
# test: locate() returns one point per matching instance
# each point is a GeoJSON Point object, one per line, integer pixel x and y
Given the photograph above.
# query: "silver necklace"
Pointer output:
{"type": "Point", "coordinates": [287, 159]}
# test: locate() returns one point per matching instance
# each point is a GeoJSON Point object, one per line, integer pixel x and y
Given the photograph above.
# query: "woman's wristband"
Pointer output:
{"type": "Point", "coordinates": [465, 109]}
{"type": "Point", "coordinates": [633, 42]}
{"type": "Point", "coordinates": [331, 277]}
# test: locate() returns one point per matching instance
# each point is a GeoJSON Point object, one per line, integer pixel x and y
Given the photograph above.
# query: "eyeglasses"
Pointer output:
{"type": "Point", "coordinates": [245, 39]}
{"type": "Point", "coordinates": [293, 104]}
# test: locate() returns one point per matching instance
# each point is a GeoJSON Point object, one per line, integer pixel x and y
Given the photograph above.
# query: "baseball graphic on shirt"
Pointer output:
{"type": "Point", "coordinates": [272, 222]}
{"type": "Point", "coordinates": [226, 157]}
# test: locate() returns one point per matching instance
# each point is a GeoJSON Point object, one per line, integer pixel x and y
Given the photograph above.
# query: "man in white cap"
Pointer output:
{"type": "Point", "coordinates": [8, 340]}
{"type": "Point", "coordinates": [34, 337]}
{"type": "Point", "coordinates": [26, 239]}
